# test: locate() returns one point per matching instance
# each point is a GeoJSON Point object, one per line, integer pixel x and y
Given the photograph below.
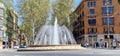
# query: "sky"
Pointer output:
{"type": "Point", "coordinates": [77, 2]}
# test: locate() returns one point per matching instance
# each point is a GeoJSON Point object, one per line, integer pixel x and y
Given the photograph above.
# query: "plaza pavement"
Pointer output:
{"type": "Point", "coordinates": [88, 52]}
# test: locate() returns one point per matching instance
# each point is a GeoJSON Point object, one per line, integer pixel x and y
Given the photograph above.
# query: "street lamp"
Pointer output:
{"type": "Point", "coordinates": [108, 24]}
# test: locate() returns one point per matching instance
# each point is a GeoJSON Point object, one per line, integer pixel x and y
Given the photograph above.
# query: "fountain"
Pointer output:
{"type": "Point", "coordinates": [53, 38]}
{"type": "Point", "coordinates": [54, 35]}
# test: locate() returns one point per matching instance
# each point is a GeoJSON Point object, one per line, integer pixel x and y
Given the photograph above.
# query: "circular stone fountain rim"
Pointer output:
{"type": "Point", "coordinates": [51, 45]}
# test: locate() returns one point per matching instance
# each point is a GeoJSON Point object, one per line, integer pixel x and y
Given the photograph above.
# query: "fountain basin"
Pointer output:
{"type": "Point", "coordinates": [51, 48]}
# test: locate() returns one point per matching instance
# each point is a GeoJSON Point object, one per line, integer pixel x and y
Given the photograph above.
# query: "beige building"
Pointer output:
{"type": "Point", "coordinates": [3, 36]}
{"type": "Point", "coordinates": [98, 19]}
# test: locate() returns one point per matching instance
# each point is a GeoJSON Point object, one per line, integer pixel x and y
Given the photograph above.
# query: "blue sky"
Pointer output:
{"type": "Point", "coordinates": [77, 2]}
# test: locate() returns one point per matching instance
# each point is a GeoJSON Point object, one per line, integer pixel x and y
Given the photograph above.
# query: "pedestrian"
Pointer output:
{"type": "Point", "coordinates": [114, 43]}
{"type": "Point", "coordinates": [86, 44]}
{"type": "Point", "coordinates": [101, 43]}
{"type": "Point", "coordinates": [106, 44]}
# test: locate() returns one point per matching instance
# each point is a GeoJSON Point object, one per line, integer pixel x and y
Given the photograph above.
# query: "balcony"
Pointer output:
{"type": "Point", "coordinates": [106, 32]}
{"type": "Point", "coordinates": [108, 6]}
{"type": "Point", "coordinates": [92, 32]}
{"type": "Point", "coordinates": [90, 15]}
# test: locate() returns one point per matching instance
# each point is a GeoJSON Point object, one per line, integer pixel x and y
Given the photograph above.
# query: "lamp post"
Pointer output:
{"type": "Point", "coordinates": [108, 24]}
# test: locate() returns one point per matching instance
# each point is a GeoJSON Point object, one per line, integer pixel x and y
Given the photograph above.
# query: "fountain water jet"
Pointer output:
{"type": "Point", "coordinates": [54, 35]}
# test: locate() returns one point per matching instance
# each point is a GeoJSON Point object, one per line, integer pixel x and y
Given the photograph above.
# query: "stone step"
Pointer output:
{"type": "Point", "coordinates": [52, 48]}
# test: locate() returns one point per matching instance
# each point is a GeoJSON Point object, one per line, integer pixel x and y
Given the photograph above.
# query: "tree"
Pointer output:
{"type": "Point", "coordinates": [10, 15]}
{"type": "Point", "coordinates": [62, 10]}
{"type": "Point", "coordinates": [34, 14]}
{"type": "Point", "coordinates": [7, 3]}
{"type": "Point", "coordinates": [119, 1]}
{"type": "Point", "coordinates": [73, 19]}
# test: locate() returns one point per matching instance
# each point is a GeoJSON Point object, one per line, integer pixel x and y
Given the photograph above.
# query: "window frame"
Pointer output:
{"type": "Point", "coordinates": [92, 24]}
{"type": "Point", "coordinates": [92, 30]}
{"type": "Point", "coordinates": [110, 10]}
{"type": "Point", "coordinates": [105, 20]}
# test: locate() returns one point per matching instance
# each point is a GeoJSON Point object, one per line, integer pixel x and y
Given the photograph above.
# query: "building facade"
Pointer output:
{"type": "Point", "coordinates": [98, 19]}
{"type": "Point", "coordinates": [8, 24]}
{"type": "Point", "coordinates": [3, 36]}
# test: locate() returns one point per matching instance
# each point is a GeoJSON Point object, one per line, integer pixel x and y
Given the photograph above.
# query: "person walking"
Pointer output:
{"type": "Point", "coordinates": [101, 43]}
{"type": "Point", "coordinates": [114, 43]}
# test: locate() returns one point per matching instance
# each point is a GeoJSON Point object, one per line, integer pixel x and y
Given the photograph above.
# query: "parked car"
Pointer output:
{"type": "Point", "coordinates": [22, 46]}
{"type": "Point", "coordinates": [16, 46]}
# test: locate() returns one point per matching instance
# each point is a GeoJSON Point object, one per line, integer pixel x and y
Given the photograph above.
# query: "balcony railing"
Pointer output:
{"type": "Point", "coordinates": [92, 15]}
{"type": "Point", "coordinates": [111, 32]}
{"type": "Point", "coordinates": [92, 32]}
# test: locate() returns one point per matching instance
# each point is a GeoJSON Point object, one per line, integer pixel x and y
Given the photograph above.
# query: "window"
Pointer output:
{"type": "Point", "coordinates": [81, 24]}
{"type": "Point", "coordinates": [91, 3]}
{"type": "Point", "coordinates": [1, 22]}
{"type": "Point", "coordinates": [105, 30]}
{"type": "Point", "coordinates": [110, 10]}
{"type": "Point", "coordinates": [1, 12]}
{"type": "Point", "coordinates": [94, 3]}
{"type": "Point", "coordinates": [92, 22]}
{"type": "Point", "coordinates": [107, 1]}
{"type": "Point", "coordinates": [92, 30]}
{"type": "Point", "coordinates": [1, 33]}
{"type": "Point", "coordinates": [82, 14]}
{"type": "Point", "coordinates": [92, 37]}
{"type": "Point", "coordinates": [119, 24]}
{"type": "Point", "coordinates": [111, 30]}
{"type": "Point", "coordinates": [109, 20]}
{"type": "Point", "coordinates": [92, 11]}
{"type": "Point", "coordinates": [106, 36]}
{"type": "Point", "coordinates": [110, 2]}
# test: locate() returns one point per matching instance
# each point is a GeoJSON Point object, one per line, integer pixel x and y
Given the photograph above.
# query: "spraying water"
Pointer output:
{"type": "Point", "coordinates": [54, 35]}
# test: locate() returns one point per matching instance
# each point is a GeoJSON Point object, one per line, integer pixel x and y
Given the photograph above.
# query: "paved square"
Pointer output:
{"type": "Point", "coordinates": [88, 52]}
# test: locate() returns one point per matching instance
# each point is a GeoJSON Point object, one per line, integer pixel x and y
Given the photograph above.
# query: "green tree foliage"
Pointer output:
{"type": "Point", "coordinates": [7, 3]}
{"type": "Point", "coordinates": [34, 14]}
{"type": "Point", "coordinates": [119, 1]}
{"type": "Point", "coordinates": [62, 10]}
{"type": "Point", "coordinates": [73, 19]}
{"type": "Point", "coordinates": [9, 23]}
